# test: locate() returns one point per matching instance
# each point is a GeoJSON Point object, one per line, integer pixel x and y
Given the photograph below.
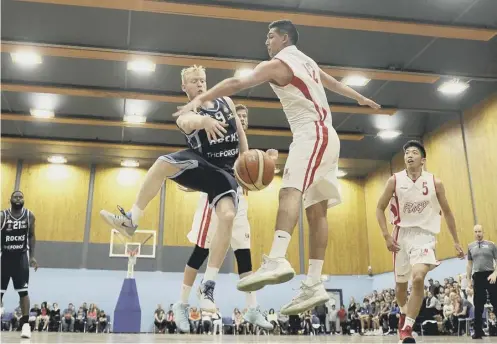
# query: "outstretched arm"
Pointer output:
{"type": "Point", "coordinates": [264, 72]}
{"type": "Point", "coordinates": [336, 86]}
{"type": "Point", "coordinates": [449, 217]}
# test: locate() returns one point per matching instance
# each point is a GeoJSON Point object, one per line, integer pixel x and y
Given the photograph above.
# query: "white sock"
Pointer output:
{"type": "Point", "coordinates": [403, 309]}
{"type": "Point", "coordinates": [251, 300]}
{"type": "Point", "coordinates": [210, 274]}
{"type": "Point", "coordinates": [314, 272]}
{"type": "Point", "coordinates": [185, 293]}
{"type": "Point", "coordinates": [409, 322]}
{"type": "Point", "coordinates": [280, 244]}
{"type": "Point", "coordinates": [136, 214]}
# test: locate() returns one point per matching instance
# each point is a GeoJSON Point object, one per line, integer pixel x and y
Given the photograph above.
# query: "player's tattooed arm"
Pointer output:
{"type": "Point", "coordinates": [32, 241]}
{"type": "Point", "coordinates": [336, 86]}
{"type": "Point", "coordinates": [243, 143]}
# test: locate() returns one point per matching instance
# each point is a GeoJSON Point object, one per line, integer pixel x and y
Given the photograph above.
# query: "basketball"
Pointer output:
{"type": "Point", "coordinates": [254, 170]}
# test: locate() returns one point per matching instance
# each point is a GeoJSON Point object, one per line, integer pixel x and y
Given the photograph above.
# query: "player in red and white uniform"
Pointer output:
{"type": "Point", "coordinates": [417, 200]}
{"type": "Point", "coordinates": [312, 163]}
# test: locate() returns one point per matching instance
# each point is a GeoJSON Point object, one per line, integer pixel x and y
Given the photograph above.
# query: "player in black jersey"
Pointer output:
{"type": "Point", "coordinates": [18, 243]}
{"type": "Point", "coordinates": [215, 137]}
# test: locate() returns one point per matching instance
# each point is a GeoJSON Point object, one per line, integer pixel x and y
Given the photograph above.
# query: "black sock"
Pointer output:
{"type": "Point", "coordinates": [24, 319]}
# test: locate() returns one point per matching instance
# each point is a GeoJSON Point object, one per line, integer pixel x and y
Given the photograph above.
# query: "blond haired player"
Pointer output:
{"type": "Point", "coordinates": [203, 229]}
{"type": "Point", "coordinates": [215, 136]}
{"type": "Point", "coordinates": [417, 200]}
{"type": "Point", "coordinates": [312, 164]}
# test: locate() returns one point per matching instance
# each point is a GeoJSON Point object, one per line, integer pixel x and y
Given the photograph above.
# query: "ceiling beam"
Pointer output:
{"type": "Point", "coordinates": [98, 93]}
{"type": "Point", "coordinates": [208, 62]}
{"type": "Point", "coordinates": [305, 19]}
{"type": "Point", "coordinates": [160, 126]}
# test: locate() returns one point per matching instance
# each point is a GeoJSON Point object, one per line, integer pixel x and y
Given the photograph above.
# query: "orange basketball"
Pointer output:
{"type": "Point", "coordinates": [254, 170]}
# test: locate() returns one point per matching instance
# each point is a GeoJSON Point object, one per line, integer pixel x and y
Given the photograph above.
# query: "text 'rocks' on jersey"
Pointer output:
{"type": "Point", "coordinates": [224, 151]}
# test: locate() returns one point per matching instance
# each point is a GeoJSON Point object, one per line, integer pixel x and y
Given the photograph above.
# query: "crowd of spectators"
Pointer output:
{"type": "Point", "coordinates": [447, 309]}
{"type": "Point", "coordinates": [49, 317]}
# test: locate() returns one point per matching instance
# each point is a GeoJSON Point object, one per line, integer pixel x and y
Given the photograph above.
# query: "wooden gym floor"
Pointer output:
{"type": "Point", "coordinates": [44, 337]}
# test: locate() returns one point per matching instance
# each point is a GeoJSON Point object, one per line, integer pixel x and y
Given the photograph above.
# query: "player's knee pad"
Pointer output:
{"type": "Point", "coordinates": [23, 294]}
{"type": "Point", "coordinates": [243, 260]}
{"type": "Point", "coordinates": [198, 257]}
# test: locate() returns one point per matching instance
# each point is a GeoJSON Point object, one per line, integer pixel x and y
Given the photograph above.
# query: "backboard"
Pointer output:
{"type": "Point", "coordinates": [145, 241]}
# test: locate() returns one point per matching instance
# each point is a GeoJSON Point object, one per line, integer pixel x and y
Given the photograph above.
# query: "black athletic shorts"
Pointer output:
{"type": "Point", "coordinates": [15, 265]}
{"type": "Point", "coordinates": [200, 175]}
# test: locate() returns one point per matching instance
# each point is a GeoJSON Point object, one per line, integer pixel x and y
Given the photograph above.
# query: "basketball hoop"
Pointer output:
{"type": "Point", "coordinates": [132, 255]}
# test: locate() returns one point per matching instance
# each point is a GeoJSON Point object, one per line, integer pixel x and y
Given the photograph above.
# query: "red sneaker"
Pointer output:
{"type": "Point", "coordinates": [406, 335]}
{"type": "Point", "coordinates": [402, 321]}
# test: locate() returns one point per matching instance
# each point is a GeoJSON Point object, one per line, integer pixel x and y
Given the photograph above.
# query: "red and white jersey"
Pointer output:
{"type": "Point", "coordinates": [415, 203]}
{"type": "Point", "coordinates": [304, 99]}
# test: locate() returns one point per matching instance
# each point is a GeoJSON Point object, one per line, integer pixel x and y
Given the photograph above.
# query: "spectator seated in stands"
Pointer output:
{"type": "Point", "coordinates": [283, 322]}
{"type": "Point", "coordinates": [160, 319]}
{"type": "Point", "coordinates": [217, 322]}
{"type": "Point", "coordinates": [55, 318]}
{"type": "Point", "coordinates": [206, 322]}
{"type": "Point", "coordinates": [80, 320]}
{"type": "Point", "coordinates": [461, 312]}
{"type": "Point", "coordinates": [492, 324]}
{"type": "Point", "coordinates": [321, 311]}
{"type": "Point", "coordinates": [393, 318]}
{"type": "Point", "coordinates": [41, 323]}
{"type": "Point", "coordinates": [272, 317]}
{"type": "Point", "coordinates": [16, 319]}
{"type": "Point", "coordinates": [365, 315]}
{"type": "Point", "coordinates": [170, 324]}
{"type": "Point", "coordinates": [195, 319]}
{"type": "Point", "coordinates": [33, 314]}
{"type": "Point", "coordinates": [238, 321]}
{"type": "Point", "coordinates": [68, 319]}
{"type": "Point", "coordinates": [102, 321]}
{"type": "Point", "coordinates": [91, 318]}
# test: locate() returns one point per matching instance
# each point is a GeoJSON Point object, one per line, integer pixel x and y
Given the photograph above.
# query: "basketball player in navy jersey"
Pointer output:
{"type": "Point", "coordinates": [203, 229]}
{"type": "Point", "coordinates": [18, 244]}
{"type": "Point", "coordinates": [417, 200]}
{"type": "Point", "coordinates": [215, 137]}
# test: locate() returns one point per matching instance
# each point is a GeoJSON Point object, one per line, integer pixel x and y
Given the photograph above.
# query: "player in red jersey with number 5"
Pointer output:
{"type": "Point", "coordinates": [312, 163]}
{"type": "Point", "coordinates": [417, 200]}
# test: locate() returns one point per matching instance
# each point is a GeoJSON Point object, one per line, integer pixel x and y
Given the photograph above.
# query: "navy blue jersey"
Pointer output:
{"type": "Point", "coordinates": [223, 152]}
{"type": "Point", "coordinates": [15, 231]}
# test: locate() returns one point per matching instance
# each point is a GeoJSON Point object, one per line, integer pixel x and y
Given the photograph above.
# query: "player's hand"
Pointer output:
{"type": "Point", "coordinates": [190, 107]}
{"type": "Point", "coordinates": [214, 128]}
{"type": "Point", "coordinates": [460, 252]}
{"type": "Point", "coordinates": [369, 102]}
{"type": "Point", "coordinates": [392, 245]}
{"type": "Point", "coordinates": [33, 263]}
{"type": "Point", "coordinates": [492, 278]}
{"type": "Point", "coordinates": [272, 154]}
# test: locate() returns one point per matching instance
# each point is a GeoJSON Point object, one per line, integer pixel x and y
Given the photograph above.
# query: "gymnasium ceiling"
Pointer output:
{"type": "Point", "coordinates": [408, 48]}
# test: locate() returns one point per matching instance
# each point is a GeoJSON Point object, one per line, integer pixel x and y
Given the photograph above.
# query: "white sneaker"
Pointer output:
{"type": "Point", "coordinates": [26, 331]}
{"type": "Point", "coordinates": [255, 317]}
{"type": "Point", "coordinates": [206, 296]}
{"type": "Point", "coordinates": [272, 271]}
{"type": "Point", "coordinates": [120, 222]}
{"type": "Point", "coordinates": [309, 297]}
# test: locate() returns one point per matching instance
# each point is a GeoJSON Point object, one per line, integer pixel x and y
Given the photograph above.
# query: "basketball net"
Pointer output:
{"type": "Point", "coordinates": [131, 263]}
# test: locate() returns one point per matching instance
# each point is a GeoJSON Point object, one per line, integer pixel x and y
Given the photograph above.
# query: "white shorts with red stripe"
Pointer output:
{"type": "Point", "coordinates": [417, 246]}
{"type": "Point", "coordinates": [312, 164]}
{"type": "Point", "coordinates": [205, 224]}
